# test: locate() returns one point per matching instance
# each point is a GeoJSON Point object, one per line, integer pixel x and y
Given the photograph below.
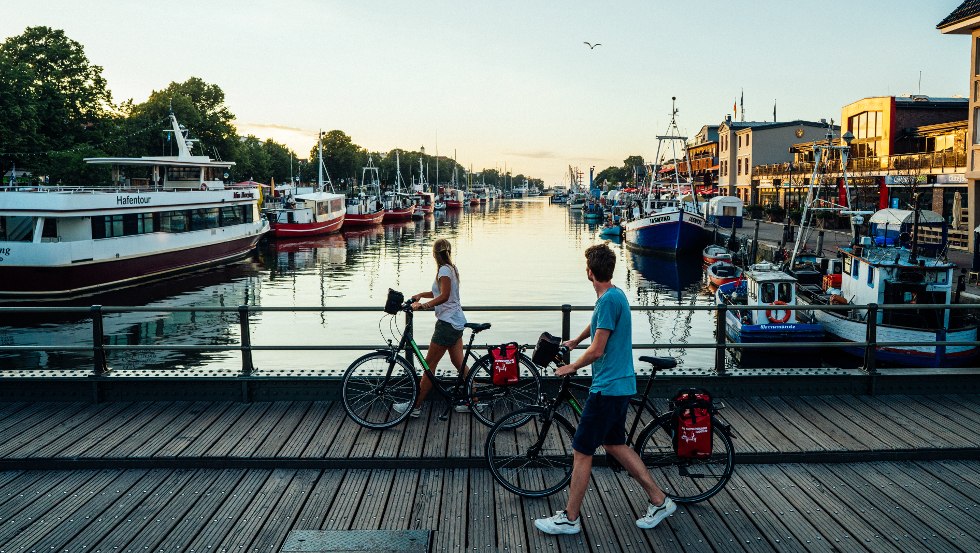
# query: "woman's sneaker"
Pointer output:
{"type": "Point", "coordinates": [402, 407]}
{"type": "Point", "coordinates": [655, 514]}
{"type": "Point", "coordinates": [559, 524]}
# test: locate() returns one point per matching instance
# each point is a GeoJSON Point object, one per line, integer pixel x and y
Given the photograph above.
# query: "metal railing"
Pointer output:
{"type": "Point", "coordinates": [721, 345]}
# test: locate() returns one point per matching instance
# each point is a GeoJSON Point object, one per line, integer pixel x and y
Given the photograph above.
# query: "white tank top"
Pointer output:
{"type": "Point", "coordinates": [450, 311]}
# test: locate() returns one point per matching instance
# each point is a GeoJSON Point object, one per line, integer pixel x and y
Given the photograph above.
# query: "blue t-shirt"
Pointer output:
{"type": "Point", "coordinates": [612, 373]}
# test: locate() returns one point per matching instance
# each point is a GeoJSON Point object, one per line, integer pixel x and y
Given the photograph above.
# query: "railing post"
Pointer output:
{"type": "Point", "coordinates": [247, 366]}
{"type": "Point", "coordinates": [721, 338]}
{"type": "Point", "coordinates": [755, 243]}
{"type": "Point", "coordinates": [871, 350]}
{"type": "Point", "coordinates": [566, 327]}
{"type": "Point", "coordinates": [101, 366]}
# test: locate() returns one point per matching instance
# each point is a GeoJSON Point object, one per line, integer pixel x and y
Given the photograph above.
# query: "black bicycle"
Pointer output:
{"type": "Point", "coordinates": [375, 382]}
{"type": "Point", "coordinates": [530, 450]}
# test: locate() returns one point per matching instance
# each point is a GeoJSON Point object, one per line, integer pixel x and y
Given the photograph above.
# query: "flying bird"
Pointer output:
{"type": "Point", "coordinates": [592, 46]}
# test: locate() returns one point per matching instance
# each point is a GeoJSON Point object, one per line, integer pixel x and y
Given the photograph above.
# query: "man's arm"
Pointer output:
{"type": "Point", "coordinates": [595, 351]}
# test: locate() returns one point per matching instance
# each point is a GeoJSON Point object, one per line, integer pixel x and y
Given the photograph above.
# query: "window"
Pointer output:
{"type": "Point", "coordinates": [202, 219]}
{"type": "Point", "coordinates": [336, 205]}
{"type": "Point", "coordinates": [976, 125]}
{"type": "Point", "coordinates": [107, 226]}
{"type": "Point", "coordinates": [173, 221]}
{"type": "Point", "coordinates": [230, 215]}
{"type": "Point", "coordinates": [786, 292]}
{"type": "Point", "coordinates": [145, 222]}
{"type": "Point", "coordinates": [856, 269]}
{"type": "Point", "coordinates": [871, 276]}
{"type": "Point", "coordinates": [976, 57]}
{"type": "Point", "coordinates": [768, 290]}
{"type": "Point", "coordinates": [739, 141]}
{"type": "Point", "coordinates": [846, 266]}
{"type": "Point", "coordinates": [747, 137]}
{"type": "Point", "coordinates": [16, 229]}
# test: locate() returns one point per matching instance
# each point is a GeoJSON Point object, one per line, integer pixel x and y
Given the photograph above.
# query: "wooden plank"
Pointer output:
{"type": "Point", "coordinates": [13, 415]}
{"type": "Point", "coordinates": [626, 501]}
{"type": "Point", "coordinates": [301, 437]}
{"type": "Point", "coordinates": [398, 511]}
{"type": "Point", "coordinates": [322, 495]}
{"type": "Point", "coordinates": [941, 414]}
{"type": "Point", "coordinates": [211, 515]}
{"type": "Point", "coordinates": [509, 515]}
{"type": "Point", "coordinates": [751, 430]}
{"type": "Point", "coordinates": [907, 435]}
{"type": "Point", "coordinates": [44, 423]}
{"type": "Point", "coordinates": [535, 508]}
{"type": "Point", "coordinates": [408, 439]}
{"type": "Point", "coordinates": [347, 500]}
{"type": "Point", "coordinates": [140, 430]}
{"type": "Point", "coordinates": [238, 531]}
{"type": "Point", "coordinates": [87, 428]}
{"type": "Point", "coordinates": [943, 494]}
{"type": "Point", "coordinates": [829, 427]}
{"type": "Point", "coordinates": [106, 432]}
{"type": "Point", "coordinates": [437, 438]}
{"type": "Point", "coordinates": [778, 429]}
{"type": "Point", "coordinates": [194, 504]}
{"type": "Point", "coordinates": [374, 498]}
{"type": "Point", "coordinates": [211, 429]}
{"type": "Point", "coordinates": [427, 504]}
{"type": "Point", "coordinates": [29, 496]}
{"type": "Point", "coordinates": [899, 413]}
{"type": "Point", "coordinates": [967, 407]}
{"type": "Point", "coordinates": [451, 533]}
{"type": "Point", "coordinates": [177, 435]}
{"type": "Point", "coordinates": [482, 528]}
{"type": "Point", "coordinates": [66, 518]}
{"type": "Point", "coordinates": [14, 483]}
{"type": "Point", "coordinates": [326, 432]}
{"type": "Point", "coordinates": [258, 430]}
{"type": "Point", "coordinates": [459, 434]}
{"type": "Point", "coordinates": [772, 528]}
{"type": "Point", "coordinates": [341, 441]}
{"type": "Point", "coordinates": [854, 425]}
{"type": "Point", "coordinates": [292, 415]}
{"type": "Point", "coordinates": [918, 530]}
{"type": "Point", "coordinates": [254, 415]}
{"type": "Point", "coordinates": [803, 429]}
{"type": "Point", "coordinates": [282, 517]}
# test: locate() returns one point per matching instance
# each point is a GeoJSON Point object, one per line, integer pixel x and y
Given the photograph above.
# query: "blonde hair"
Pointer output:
{"type": "Point", "coordinates": [443, 250]}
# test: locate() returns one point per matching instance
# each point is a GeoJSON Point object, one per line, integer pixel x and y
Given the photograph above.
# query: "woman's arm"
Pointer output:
{"type": "Point", "coordinates": [421, 295]}
{"type": "Point", "coordinates": [444, 287]}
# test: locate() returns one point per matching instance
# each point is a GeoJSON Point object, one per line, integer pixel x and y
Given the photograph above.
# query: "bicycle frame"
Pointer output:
{"type": "Point", "coordinates": [443, 386]}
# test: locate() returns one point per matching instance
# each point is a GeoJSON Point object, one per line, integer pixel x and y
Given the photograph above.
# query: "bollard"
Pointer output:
{"type": "Point", "coordinates": [101, 366]}
{"type": "Point", "coordinates": [755, 242]}
{"type": "Point", "coordinates": [720, 338]}
{"type": "Point", "coordinates": [566, 327]}
{"type": "Point", "coordinates": [247, 366]}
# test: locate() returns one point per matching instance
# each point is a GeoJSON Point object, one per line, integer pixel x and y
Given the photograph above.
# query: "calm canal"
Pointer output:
{"type": "Point", "coordinates": [512, 252]}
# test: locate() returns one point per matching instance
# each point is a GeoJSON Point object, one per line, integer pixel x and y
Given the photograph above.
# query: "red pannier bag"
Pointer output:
{"type": "Point", "coordinates": [505, 368]}
{"type": "Point", "coordinates": [692, 409]}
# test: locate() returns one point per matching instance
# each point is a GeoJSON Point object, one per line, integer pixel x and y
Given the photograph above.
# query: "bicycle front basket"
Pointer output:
{"type": "Point", "coordinates": [394, 303]}
{"type": "Point", "coordinates": [546, 349]}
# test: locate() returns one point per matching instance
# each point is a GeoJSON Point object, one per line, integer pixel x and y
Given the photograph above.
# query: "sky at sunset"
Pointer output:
{"type": "Point", "coordinates": [511, 81]}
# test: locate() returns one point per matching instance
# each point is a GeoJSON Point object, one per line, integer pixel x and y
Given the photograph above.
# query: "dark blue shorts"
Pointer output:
{"type": "Point", "coordinates": [603, 422]}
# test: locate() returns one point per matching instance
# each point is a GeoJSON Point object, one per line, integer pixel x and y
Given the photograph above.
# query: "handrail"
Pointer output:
{"type": "Point", "coordinates": [721, 345]}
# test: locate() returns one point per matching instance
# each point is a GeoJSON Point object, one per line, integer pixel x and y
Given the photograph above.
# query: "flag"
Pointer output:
{"type": "Point", "coordinates": [735, 108]}
{"type": "Point", "coordinates": [774, 111]}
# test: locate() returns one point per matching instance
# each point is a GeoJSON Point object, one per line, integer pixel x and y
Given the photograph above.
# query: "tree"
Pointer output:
{"type": "Point", "coordinates": [70, 93]}
{"type": "Point", "coordinates": [341, 157]}
{"type": "Point", "coordinates": [19, 122]}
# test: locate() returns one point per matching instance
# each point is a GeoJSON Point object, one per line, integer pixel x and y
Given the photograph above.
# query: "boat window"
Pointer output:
{"type": "Point", "coordinates": [785, 292]}
{"type": "Point", "coordinates": [247, 213]}
{"type": "Point", "coordinates": [871, 276]}
{"type": "Point", "coordinates": [321, 208]}
{"type": "Point", "coordinates": [204, 218]}
{"type": "Point", "coordinates": [231, 215]}
{"type": "Point", "coordinates": [847, 265]}
{"type": "Point", "coordinates": [16, 229]}
{"type": "Point", "coordinates": [768, 292]}
{"type": "Point", "coordinates": [107, 226]}
{"type": "Point", "coordinates": [173, 221]}
{"type": "Point", "coordinates": [183, 174]}
{"type": "Point", "coordinates": [336, 205]}
{"type": "Point", "coordinates": [856, 269]}
{"type": "Point", "coordinates": [50, 229]}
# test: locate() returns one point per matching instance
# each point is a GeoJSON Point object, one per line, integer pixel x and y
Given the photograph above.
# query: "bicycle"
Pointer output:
{"type": "Point", "coordinates": [529, 451]}
{"type": "Point", "coordinates": [374, 382]}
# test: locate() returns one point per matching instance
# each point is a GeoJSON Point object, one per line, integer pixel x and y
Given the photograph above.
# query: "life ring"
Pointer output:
{"type": "Point", "coordinates": [773, 319]}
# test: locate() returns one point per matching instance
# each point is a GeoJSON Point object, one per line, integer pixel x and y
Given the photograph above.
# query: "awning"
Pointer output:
{"type": "Point", "coordinates": [248, 184]}
{"type": "Point", "coordinates": [904, 216]}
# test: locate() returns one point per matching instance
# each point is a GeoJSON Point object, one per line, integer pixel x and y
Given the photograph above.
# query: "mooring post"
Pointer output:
{"type": "Point", "coordinates": [755, 243]}
{"type": "Point", "coordinates": [720, 338]}
{"type": "Point", "coordinates": [566, 326]}
{"type": "Point", "coordinates": [247, 366]}
{"type": "Point", "coordinates": [101, 366]}
{"type": "Point", "coordinates": [820, 243]}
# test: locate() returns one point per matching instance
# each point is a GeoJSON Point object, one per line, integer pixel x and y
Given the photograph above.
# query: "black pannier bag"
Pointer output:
{"type": "Point", "coordinates": [692, 409]}
{"type": "Point", "coordinates": [395, 301]}
{"type": "Point", "coordinates": [546, 349]}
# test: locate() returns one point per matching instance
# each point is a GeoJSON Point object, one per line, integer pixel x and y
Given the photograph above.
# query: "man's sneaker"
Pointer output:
{"type": "Point", "coordinates": [559, 524]}
{"type": "Point", "coordinates": [402, 407]}
{"type": "Point", "coordinates": [655, 513]}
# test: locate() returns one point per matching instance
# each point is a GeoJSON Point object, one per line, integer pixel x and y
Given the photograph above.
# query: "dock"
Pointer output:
{"type": "Point", "coordinates": [814, 473]}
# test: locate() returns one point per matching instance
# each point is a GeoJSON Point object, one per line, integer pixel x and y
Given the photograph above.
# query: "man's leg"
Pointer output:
{"type": "Point", "coordinates": [631, 461]}
{"type": "Point", "coordinates": [581, 471]}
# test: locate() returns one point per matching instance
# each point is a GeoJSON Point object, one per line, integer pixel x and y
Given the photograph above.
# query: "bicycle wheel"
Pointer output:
{"type": "Point", "coordinates": [375, 382]}
{"type": "Point", "coordinates": [529, 454]}
{"type": "Point", "coordinates": [686, 480]}
{"type": "Point", "coordinates": [494, 402]}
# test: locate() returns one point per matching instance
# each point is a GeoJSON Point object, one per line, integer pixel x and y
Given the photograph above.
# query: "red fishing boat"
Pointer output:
{"type": "Point", "coordinates": [722, 272]}
{"type": "Point", "coordinates": [364, 209]}
{"type": "Point", "coordinates": [713, 254]}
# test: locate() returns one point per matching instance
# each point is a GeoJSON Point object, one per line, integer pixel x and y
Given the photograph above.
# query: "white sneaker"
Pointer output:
{"type": "Point", "coordinates": [559, 524]}
{"type": "Point", "coordinates": [655, 514]}
{"type": "Point", "coordinates": [464, 408]}
{"type": "Point", "coordinates": [402, 407]}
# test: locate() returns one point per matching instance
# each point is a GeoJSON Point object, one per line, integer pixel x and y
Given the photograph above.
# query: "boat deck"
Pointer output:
{"type": "Point", "coordinates": [901, 474]}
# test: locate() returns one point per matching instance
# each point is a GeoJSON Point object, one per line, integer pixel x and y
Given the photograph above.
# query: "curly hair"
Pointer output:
{"type": "Point", "coordinates": [601, 261]}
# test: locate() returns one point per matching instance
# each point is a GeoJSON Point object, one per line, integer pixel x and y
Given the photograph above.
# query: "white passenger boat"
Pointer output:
{"type": "Point", "coordinates": [162, 215]}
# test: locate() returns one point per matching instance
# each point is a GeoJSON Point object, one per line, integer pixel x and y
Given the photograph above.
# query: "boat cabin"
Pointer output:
{"type": "Point", "coordinates": [894, 227]}
{"type": "Point", "coordinates": [725, 211]}
{"type": "Point", "coordinates": [764, 286]}
{"type": "Point", "coordinates": [310, 208]}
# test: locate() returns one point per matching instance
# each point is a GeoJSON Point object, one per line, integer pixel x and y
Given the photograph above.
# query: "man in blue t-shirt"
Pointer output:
{"type": "Point", "coordinates": [603, 419]}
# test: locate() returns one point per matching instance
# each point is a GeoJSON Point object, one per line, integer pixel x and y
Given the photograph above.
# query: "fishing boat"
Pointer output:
{"type": "Point", "coordinates": [576, 201]}
{"type": "Point", "coordinates": [713, 253]}
{"type": "Point", "coordinates": [423, 200]}
{"type": "Point", "coordinates": [671, 221]}
{"type": "Point", "coordinates": [161, 216]}
{"type": "Point", "coordinates": [396, 204]}
{"type": "Point", "coordinates": [611, 230]}
{"type": "Point", "coordinates": [311, 214]}
{"type": "Point", "coordinates": [890, 269]}
{"type": "Point", "coordinates": [722, 272]}
{"type": "Point", "coordinates": [364, 208]}
{"type": "Point", "coordinates": [756, 309]}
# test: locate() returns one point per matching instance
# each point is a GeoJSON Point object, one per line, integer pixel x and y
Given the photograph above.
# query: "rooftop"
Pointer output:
{"type": "Point", "coordinates": [967, 10]}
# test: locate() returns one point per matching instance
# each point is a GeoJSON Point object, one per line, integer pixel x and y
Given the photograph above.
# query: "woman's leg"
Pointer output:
{"type": "Point", "coordinates": [432, 358]}
{"type": "Point", "coordinates": [456, 356]}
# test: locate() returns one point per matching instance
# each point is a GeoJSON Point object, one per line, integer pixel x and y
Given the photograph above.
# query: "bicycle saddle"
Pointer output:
{"type": "Point", "coordinates": [660, 362]}
{"type": "Point", "coordinates": [477, 327]}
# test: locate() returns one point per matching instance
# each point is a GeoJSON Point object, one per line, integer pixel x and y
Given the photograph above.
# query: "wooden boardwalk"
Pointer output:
{"type": "Point", "coordinates": [884, 507]}
{"type": "Point", "coordinates": [201, 477]}
{"type": "Point", "coordinates": [319, 435]}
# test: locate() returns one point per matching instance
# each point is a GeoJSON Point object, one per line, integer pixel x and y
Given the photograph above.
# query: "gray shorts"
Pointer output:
{"type": "Point", "coordinates": [445, 334]}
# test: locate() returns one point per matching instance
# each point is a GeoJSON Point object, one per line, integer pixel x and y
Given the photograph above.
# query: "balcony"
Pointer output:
{"type": "Point", "coordinates": [921, 163]}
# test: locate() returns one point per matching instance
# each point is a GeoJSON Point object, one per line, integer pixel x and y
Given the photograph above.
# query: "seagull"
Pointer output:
{"type": "Point", "coordinates": [592, 46]}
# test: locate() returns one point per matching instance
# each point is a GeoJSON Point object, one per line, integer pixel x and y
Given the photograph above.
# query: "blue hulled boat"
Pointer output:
{"type": "Point", "coordinates": [670, 226]}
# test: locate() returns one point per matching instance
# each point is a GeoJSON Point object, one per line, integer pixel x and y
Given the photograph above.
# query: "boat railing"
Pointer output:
{"type": "Point", "coordinates": [100, 348]}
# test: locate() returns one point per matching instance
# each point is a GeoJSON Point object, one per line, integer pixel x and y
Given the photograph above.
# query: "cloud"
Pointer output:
{"type": "Point", "coordinates": [536, 154]}
{"type": "Point", "coordinates": [273, 127]}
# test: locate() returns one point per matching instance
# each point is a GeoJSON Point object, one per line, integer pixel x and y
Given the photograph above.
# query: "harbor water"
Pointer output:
{"type": "Point", "coordinates": [509, 253]}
